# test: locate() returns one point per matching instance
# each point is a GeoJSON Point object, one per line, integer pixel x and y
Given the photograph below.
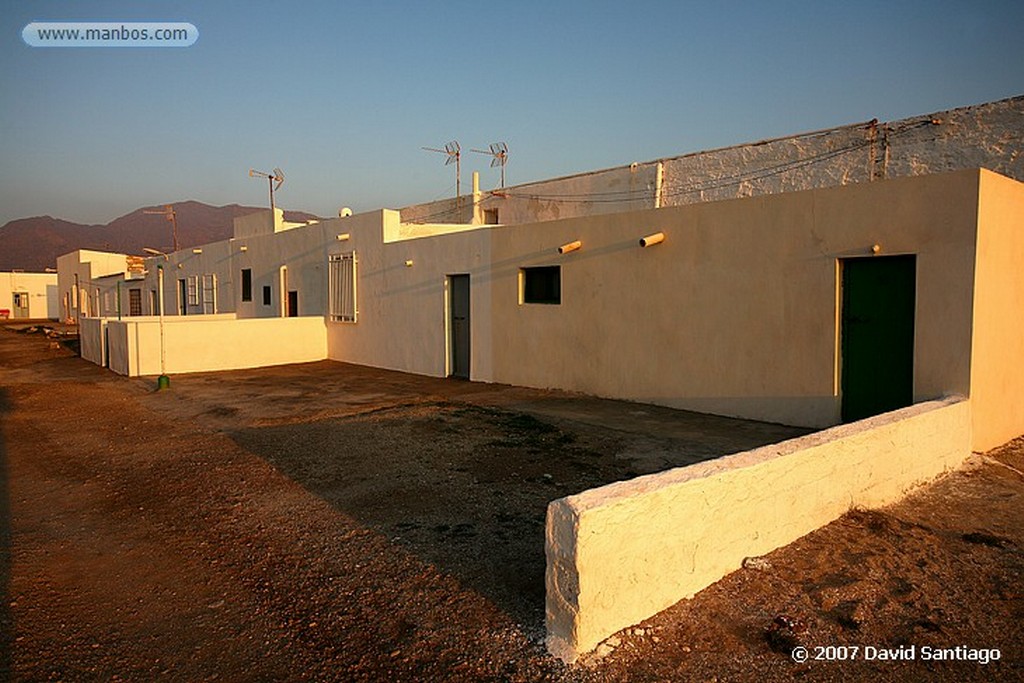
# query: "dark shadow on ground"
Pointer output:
{"type": "Point", "coordinates": [466, 487]}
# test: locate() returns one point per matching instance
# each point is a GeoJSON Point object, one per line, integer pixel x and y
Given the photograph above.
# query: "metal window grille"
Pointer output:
{"type": "Point", "coordinates": [193, 290]}
{"type": "Point", "coordinates": [210, 293]}
{"type": "Point", "coordinates": [342, 277]}
{"type": "Point", "coordinates": [134, 302]}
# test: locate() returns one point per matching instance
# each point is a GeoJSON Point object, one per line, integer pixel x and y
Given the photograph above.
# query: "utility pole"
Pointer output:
{"type": "Point", "coordinates": [171, 216]}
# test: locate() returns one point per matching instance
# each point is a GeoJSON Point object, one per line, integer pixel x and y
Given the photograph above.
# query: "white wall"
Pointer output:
{"type": "Point", "coordinates": [92, 339]}
{"type": "Point", "coordinates": [980, 136]}
{"type": "Point", "coordinates": [300, 249]}
{"type": "Point", "coordinates": [619, 554]}
{"type": "Point", "coordinates": [735, 313]}
{"type": "Point", "coordinates": [997, 375]}
{"type": "Point", "coordinates": [403, 309]}
{"type": "Point", "coordinates": [208, 343]}
{"type": "Point", "coordinates": [86, 269]}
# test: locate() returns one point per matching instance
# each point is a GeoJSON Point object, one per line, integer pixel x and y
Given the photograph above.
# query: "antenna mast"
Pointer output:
{"type": "Point", "coordinates": [498, 150]}
{"type": "Point", "coordinates": [170, 215]}
{"type": "Point", "coordinates": [454, 153]}
{"type": "Point", "coordinates": [276, 177]}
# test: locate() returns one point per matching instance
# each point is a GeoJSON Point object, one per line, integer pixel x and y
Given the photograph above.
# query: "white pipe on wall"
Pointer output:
{"type": "Point", "coordinates": [571, 246]}
{"type": "Point", "coordinates": [651, 240]}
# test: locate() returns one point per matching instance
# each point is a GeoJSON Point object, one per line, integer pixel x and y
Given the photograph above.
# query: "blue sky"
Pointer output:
{"type": "Point", "coordinates": [342, 95]}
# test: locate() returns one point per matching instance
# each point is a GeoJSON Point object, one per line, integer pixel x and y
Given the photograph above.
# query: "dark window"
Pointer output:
{"type": "Point", "coordinates": [490, 216]}
{"type": "Point", "coordinates": [266, 295]}
{"type": "Point", "coordinates": [542, 285]}
{"type": "Point", "coordinates": [246, 284]}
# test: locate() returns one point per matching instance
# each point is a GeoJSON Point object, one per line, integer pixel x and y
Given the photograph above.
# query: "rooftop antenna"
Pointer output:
{"type": "Point", "coordinates": [499, 150]}
{"type": "Point", "coordinates": [169, 214]}
{"type": "Point", "coordinates": [454, 153]}
{"type": "Point", "coordinates": [276, 177]}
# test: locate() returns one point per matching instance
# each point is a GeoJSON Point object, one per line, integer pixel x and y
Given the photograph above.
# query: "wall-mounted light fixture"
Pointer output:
{"type": "Point", "coordinates": [408, 263]}
{"type": "Point", "coordinates": [571, 246]}
{"type": "Point", "coordinates": [243, 248]}
{"type": "Point", "coordinates": [343, 237]}
{"type": "Point", "coordinates": [876, 248]}
{"type": "Point", "coordinates": [651, 240]}
{"type": "Point", "coordinates": [197, 250]}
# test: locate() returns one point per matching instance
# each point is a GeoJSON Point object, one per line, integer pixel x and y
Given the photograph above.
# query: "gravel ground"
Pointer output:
{"type": "Point", "coordinates": [326, 522]}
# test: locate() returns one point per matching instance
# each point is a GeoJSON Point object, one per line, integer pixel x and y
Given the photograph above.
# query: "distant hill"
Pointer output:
{"type": "Point", "coordinates": [33, 244]}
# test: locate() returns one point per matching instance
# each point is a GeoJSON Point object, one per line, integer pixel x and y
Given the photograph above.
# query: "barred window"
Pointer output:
{"type": "Point", "coordinates": [209, 283]}
{"type": "Point", "coordinates": [342, 276]}
{"type": "Point", "coordinates": [193, 290]}
{"type": "Point", "coordinates": [134, 301]}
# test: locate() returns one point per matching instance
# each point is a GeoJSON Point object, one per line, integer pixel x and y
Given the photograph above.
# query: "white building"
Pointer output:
{"type": "Point", "coordinates": [29, 296]}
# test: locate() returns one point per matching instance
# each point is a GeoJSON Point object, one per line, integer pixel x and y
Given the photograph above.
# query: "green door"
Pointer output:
{"type": "Point", "coordinates": [877, 335]}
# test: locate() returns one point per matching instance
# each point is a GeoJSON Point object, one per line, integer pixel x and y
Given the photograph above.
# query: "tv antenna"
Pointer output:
{"type": "Point", "coordinates": [276, 177]}
{"type": "Point", "coordinates": [169, 214]}
{"type": "Point", "coordinates": [498, 150]}
{"type": "Point", "coordinates": [454, 153]}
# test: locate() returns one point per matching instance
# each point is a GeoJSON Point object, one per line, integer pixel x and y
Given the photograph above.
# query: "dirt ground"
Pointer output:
{"type": "Point", "coordinates": [331, 522]}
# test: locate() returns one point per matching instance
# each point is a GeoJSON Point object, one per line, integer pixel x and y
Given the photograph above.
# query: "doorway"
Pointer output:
{"type": "Point", "coordinates": [21, 304]}
{"type": "Point", "coordinates": [182, 297]}
{"type": "Point", "coordinates": [458, 330]}
{"type": "Point", "coordinates": [293, 304]}
{"type": "Point", "coordinates": [877, 335]}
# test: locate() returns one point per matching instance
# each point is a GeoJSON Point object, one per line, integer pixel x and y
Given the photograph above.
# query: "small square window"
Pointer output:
{"type": "Point", "coordinates": [541, 285]}
{"type": "Point", "coordinates": [266, 295]}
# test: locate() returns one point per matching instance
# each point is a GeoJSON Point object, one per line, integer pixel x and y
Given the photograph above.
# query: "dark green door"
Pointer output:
{"type": "Point", "coordinates": [877, 335]}
{"type": "Point", "coordinates": [458, 288]}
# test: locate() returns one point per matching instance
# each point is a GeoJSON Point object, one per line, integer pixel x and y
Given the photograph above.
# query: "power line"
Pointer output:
{"type": "Point", "coordinates": [737, 178]}
{"type": "Point", "coordinates": [734, 179]}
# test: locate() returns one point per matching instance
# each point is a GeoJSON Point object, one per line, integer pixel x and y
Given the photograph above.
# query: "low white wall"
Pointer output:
{"type": "Point", "coordinates": [177, 318]}
{"type": "Point", "coordinates": [621, 553]}
{"type": "Point", "coordinates": [91, 334]}
{"type": "Point", "coordinates": [207, 343]}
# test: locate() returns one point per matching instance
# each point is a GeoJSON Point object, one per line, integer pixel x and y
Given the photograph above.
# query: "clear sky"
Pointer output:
{"type": "Point", "coordinates": [342, 95]}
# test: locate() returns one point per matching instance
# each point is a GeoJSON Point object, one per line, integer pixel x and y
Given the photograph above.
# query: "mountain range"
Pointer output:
{"type": "Point", "coordinates": [33, 244]}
